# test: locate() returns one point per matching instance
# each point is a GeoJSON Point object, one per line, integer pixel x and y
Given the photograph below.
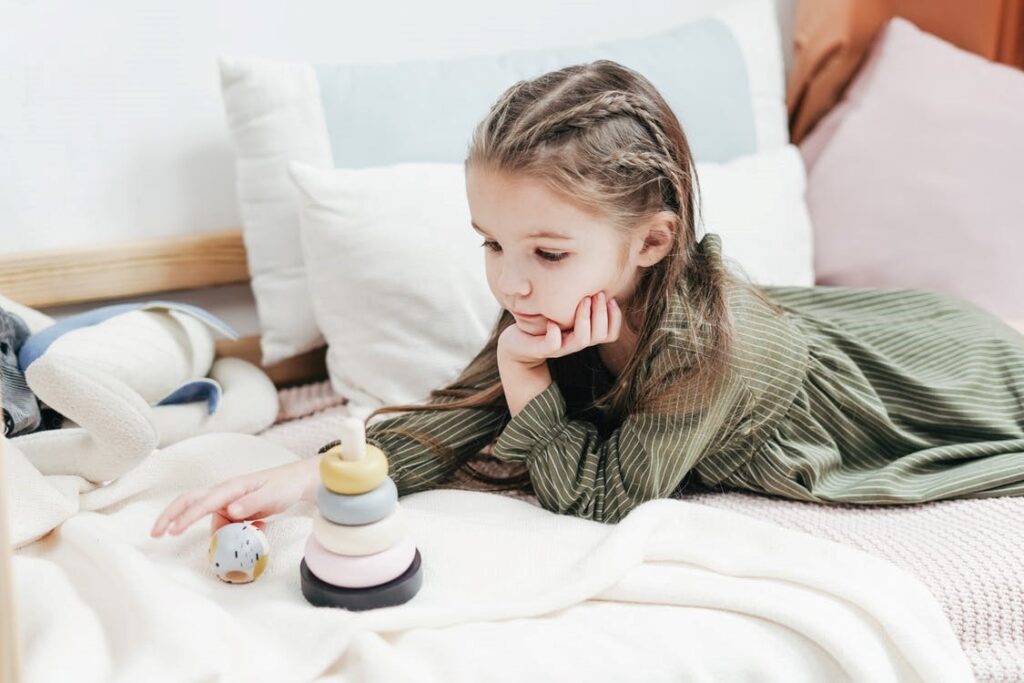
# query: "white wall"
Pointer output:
{"type": "Point", "coordinates": [111, 122]}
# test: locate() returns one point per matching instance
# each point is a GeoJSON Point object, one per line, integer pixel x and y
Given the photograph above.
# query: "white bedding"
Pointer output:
{"type": "Point", "coordinates": [511, 591]}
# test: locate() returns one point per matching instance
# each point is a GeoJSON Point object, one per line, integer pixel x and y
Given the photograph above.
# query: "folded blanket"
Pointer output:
{"type": "Point", "coordinates": [508, 587]}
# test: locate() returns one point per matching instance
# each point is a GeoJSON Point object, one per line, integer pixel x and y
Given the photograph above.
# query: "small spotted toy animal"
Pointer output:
{"type": "Point", "coordinates": [239, 552]}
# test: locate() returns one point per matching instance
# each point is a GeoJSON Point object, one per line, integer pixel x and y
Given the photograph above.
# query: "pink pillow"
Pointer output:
{"type": "Point", "coordinates": [916, 178]}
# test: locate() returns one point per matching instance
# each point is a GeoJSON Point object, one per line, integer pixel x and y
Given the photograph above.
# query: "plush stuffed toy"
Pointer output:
{"type": "Point", "coordinates": [130, 378]}
{"type": "Point", "coordinates": [20, 406]}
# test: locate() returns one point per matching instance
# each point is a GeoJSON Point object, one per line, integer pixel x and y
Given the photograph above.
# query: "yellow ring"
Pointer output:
{"type": "Point", "coordinates": [353, 476]}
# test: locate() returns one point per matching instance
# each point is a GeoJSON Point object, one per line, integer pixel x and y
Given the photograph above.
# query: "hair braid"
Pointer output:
{"type": "Point", "coordinates": [601, 107]}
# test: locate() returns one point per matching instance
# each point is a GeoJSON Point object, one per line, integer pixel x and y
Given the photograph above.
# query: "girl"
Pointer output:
{"type": "Point", "coordinates": [629, 356]}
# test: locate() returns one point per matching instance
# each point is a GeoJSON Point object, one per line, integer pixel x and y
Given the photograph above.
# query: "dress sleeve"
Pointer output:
{"type": "Point", "coordinates": [411, 441]}
{"type": "Point", "coordinates": [573, 471]}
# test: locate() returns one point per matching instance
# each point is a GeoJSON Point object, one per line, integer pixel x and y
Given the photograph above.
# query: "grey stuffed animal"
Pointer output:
{"type": "Point", "coordinates": [20, 405]}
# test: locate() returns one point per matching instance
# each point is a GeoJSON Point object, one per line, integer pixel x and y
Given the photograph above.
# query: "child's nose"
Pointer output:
{"type": "Point", "coordinates": [513, 285]}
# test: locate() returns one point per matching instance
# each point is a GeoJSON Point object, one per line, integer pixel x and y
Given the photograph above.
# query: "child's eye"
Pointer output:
{"type": "Point", "coordinates": [546, 255]}
{"type": "Point", "coordinates": [549, 256]}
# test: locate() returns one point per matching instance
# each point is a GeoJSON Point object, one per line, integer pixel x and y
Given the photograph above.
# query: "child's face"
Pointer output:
{"type": "Point", "coordinates": [521, 272]}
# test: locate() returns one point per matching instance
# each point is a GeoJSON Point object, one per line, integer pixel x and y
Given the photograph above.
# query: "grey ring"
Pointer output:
{"type": "Point", "coordinates": [360, 508]}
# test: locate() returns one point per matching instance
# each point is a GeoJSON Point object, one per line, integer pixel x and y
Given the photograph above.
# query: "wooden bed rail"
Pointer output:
{"type": "Point", "coordinates": [57, 277]}
{"type": "Point", "coordinates": [159, 266]}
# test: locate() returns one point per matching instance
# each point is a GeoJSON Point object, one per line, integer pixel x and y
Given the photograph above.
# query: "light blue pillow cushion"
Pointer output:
{"type": "Point", "coordinates": [382, 114]}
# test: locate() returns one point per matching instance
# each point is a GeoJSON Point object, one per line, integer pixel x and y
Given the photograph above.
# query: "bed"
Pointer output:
{"type": "Point", "coordinates": [721, 585]}
{"type": "Point", "coordinates": [717, 585]}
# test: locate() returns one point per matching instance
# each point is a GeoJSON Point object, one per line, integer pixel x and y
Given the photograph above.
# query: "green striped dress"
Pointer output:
{"type": "Point", "coordinates": [853, 395]}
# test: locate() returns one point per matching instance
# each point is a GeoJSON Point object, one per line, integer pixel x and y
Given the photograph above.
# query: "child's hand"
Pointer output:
{"type": "Point", "coordinates": [598, 321]}
{"type": "Point", "coordinates": [249, 496]}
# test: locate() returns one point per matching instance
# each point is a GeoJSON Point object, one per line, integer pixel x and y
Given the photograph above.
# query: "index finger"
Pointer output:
{"type": "Point", "coordinates": [219, 519]}
{"type": "Point", "coordinates": [173, 509]}
{"type": "Point", "coordinates": [214, 500]}
{"type": "Point", "coordinates": [579, 337]}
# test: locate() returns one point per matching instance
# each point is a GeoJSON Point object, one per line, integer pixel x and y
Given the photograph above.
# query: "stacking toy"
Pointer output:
{"type": "Point", "coordinates": [239, 552]}
{"type": "Point", "coordinates": [360, 555]}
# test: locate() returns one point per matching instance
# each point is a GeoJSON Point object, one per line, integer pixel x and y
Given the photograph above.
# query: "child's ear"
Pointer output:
{"type": "Point", "coordinates": [658, 238]}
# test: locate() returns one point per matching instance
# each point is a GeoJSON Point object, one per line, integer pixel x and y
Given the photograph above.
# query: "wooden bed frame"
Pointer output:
{"type": "Point", "coordinates": [162, 266]}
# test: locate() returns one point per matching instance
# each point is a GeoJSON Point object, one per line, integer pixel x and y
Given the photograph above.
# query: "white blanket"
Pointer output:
{"type": "Point", "coordinates": [511, 592]}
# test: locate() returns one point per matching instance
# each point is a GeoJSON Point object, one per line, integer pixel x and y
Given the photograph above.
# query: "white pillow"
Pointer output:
{"type": "Point", "coordinates": [720, 70]}
{"type": "Point", "coordinates": [757, 204]}
{"type": "Point", "coordinates": [397, 275]}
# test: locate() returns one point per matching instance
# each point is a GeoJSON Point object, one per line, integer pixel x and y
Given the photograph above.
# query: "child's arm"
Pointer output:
{"type": "Point", "coordinates": [412, 464]}
{"type": "Point", "coordinates": [522, 382]}
{"type": "Point", "coordinates": [574, 471]}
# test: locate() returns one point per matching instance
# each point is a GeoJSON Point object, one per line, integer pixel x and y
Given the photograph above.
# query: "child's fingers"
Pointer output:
{"type": "Point", "coordinates": [218, 498]}
{"type": "Point", "coordinates": [584, 321]}
{"type": "Point", "coordinates": [553, 338]}
{"type": "Point", "coordinates": [615, 324]}
{"type": "Point", "coordinates": [599, 324]}
{"type": "Point", "coordinates": [173, 509]}
{"type": "Point", "coordinates": [219, 519]}
{"type": "Point", "coordinates": [251, 505]}
{"type": "Point", "coordinates": [580, 335]}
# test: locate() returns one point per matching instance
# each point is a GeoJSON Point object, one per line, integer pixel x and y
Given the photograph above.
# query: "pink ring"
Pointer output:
{"type": "Point", "coordinates": [362, 571]}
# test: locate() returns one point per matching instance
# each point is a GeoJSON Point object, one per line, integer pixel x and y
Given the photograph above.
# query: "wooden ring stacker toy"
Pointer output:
{"type": "Point", "coordinates": [358, 566]}
{"type": "Point", "coordinates": [362, 508]}
{"type": "Point", "coordinates": [395, 592]}
{"type": "Point", "coordinates": [359, 468]}
{"type": "Point", "coordinates": [359, 572]}
{"type": "Point", "coordinates": [365, 539]}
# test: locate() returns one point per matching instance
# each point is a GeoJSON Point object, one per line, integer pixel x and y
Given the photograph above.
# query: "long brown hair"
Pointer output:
{"type": "Point", "coordinates": [603, 135]}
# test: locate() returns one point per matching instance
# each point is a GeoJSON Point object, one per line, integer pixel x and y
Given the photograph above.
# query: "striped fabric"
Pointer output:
{"type": "Point", "coordinates": [855, 395]}
{"type": "Point", "coordinates": [910, 396]}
